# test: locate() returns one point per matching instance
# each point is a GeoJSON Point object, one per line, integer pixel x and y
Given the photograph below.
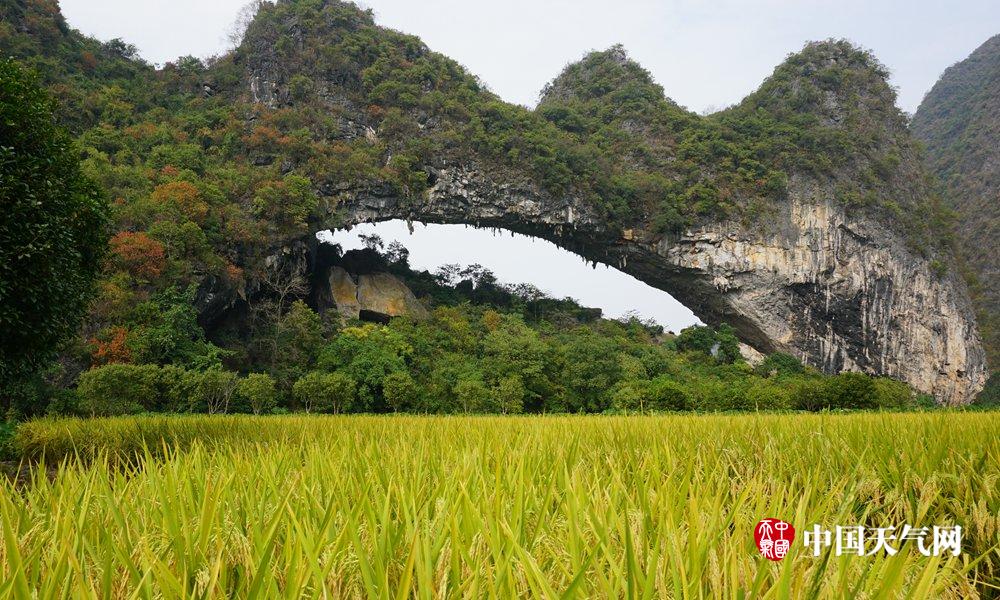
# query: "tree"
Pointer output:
{"type": "Point", "coordinates": [52, 229]}
{"type": "Point", "coordinates": [508, 395]}
{"type": "Point", "coordinates": [259, 392]}
{"type": "Point", "coordinates": [368, 355]}
{"type": "Point", "coordinates": [472, 395]}
{"type": "Point", "coordinates": [696, 338]}
{"type": "Point", "coordinates": [118, 389]}
{"type": "Point", "coordinates": [182, 197]}
{"type": "Point", "coordinates": [400, 391]}
{"type": "Point", "coordinates": [810, 394]}
{"type": "Point", "coordinates": [287, 203]}
{"type": "Point", "coordinates": [852, 391]}
{"type": "Point", "coordinates": [299, 337]}
{"type": "Point", "coordinates": [591, 369]}
{"type": "Point", "coordinates": [165, 330]}
{"type": "Point", "coordinates": [990, 396]}
{"type": "Point", "coordinates": [721, 344]}
{"type": "Point", "coordinates": [779, 363]}
{"type": "Point", "coordinates": [212, 390]}
{"type": "Point", "coordinates": [138, 254]}
{"type": "Point", "coordinates": [284, 282]}
{"type": "Point", "coordinates": [893, 394]}
{"type": "Point", "coordinates": [667, 394]}
{"type": "Point", "coordinates": [324, 392]}
{"type": "Point", "coordinates": [632, 394]}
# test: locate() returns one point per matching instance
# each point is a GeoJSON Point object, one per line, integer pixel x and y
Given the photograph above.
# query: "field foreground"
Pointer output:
{"type": "Point", "coordinates": [602, 507]}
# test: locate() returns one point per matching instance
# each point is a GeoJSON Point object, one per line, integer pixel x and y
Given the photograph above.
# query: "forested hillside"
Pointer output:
{"type": "Point", "coordinates": [215, 168]}
{"type": "Point", "coordinates": [959, 121]}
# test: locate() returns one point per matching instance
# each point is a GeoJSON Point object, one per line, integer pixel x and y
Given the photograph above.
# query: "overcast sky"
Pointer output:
{"type": "Point", "coordinates": [706, 54]}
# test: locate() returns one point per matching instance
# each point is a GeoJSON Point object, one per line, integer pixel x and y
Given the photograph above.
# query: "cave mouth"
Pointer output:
{"type": "Point", "coordinates": [517, 258]}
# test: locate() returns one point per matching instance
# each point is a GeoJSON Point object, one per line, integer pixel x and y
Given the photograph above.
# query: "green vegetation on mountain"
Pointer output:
{"type": "Point", "coordinates": [212, 166]}
{"type": "Point", "coordinates": [959, 121]}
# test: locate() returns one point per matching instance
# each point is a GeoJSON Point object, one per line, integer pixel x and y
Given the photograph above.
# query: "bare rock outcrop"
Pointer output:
{"type": "Point", "coordinates": [373, 296]}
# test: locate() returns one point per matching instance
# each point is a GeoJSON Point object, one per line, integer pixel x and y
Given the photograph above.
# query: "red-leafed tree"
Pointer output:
{"type": "Point", "coordinates": [113, 348]}
{"type": "Point", "coordinates": [139, 254]}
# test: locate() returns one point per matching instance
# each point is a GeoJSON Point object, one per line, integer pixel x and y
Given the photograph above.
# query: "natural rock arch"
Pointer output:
{"type": "Point", "coordinates": [836, 291]}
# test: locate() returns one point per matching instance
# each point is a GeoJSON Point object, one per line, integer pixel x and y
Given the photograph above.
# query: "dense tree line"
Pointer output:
{"type": "Point", "coordinates": [487, 347]}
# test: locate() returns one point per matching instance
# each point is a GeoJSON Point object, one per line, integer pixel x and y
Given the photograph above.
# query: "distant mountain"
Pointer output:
{"type": "Point", "coordinates": [959, 121]}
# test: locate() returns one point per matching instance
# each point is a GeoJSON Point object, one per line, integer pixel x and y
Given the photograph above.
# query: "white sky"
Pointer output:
{"type": "Point", "coordinates": [706, 54]}
{"type": "Point", "coordinates": [516, 258]}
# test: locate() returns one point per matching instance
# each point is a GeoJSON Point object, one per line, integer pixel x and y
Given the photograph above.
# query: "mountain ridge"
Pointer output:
{"type": "Point", "coordinates": [959, 122]}
{"type": "Point", "coordinates": [320, 118]}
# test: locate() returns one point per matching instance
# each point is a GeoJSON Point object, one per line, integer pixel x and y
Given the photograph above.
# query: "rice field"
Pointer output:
{"type": "Point", "coordinates": [493, 507]}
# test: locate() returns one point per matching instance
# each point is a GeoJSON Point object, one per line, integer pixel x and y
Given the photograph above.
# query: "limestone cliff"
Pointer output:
{"type": "Point", "coordinates": [838, 291]}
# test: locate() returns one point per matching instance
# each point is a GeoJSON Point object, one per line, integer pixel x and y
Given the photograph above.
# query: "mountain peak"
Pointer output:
{"type": "Point", "coordinates": [598, 75]}
{"type": "Point", "coordinates": [834, 80]}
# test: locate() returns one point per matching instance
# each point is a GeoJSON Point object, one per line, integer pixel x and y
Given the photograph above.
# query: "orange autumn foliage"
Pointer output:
{"type": "Point", "coordinates": [185, 196]}
{"type": "Point", "coordinates": [113, 350]}
{"type": "Point", "coordinates": [139, 254]}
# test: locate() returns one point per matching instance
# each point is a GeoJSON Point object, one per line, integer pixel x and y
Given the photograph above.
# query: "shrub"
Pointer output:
{"type": "Point", "coordinates": [666, 394]}
{"type": "Point", "coordinates": [118, 389]}
{"type": "Point", "coordinates": [258, 392]}
{"type": "Point", "coordinates": [855, 391]}
{"type": "Point", "coordinates": [778, 364]}
{"type": "Point", "coordinates": [324, 392]}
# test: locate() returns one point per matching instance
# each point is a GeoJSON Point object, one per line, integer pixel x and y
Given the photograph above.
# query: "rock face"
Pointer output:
{"type": "Point", "coordinates": [383, 294]}
{"type": "Point", "coordinates": [376, 296]}
{"type": "Point", "coordinates": [836, 291]}
{"type": "Point", "coordinates": [341, 292]}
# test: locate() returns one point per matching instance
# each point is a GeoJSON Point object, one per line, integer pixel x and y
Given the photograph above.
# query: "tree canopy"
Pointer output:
{"type": "Point", "coordinates": [52, 228]}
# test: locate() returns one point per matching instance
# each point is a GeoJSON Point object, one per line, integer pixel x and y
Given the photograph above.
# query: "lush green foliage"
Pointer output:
{"type": "Point", "coordinates": [51, 229]}
{"type": "Point", "coordinates": [959, 121]}
{"type": "Point", "coordinates": [486, 348]}
{"type": "Point", "coordinates": [990, 396]}
{"type": "Point", "coordinates": [494, 507]}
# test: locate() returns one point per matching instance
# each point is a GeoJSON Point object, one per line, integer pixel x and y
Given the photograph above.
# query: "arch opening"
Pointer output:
{"type": "Point", "coordinates": [516, 258]}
